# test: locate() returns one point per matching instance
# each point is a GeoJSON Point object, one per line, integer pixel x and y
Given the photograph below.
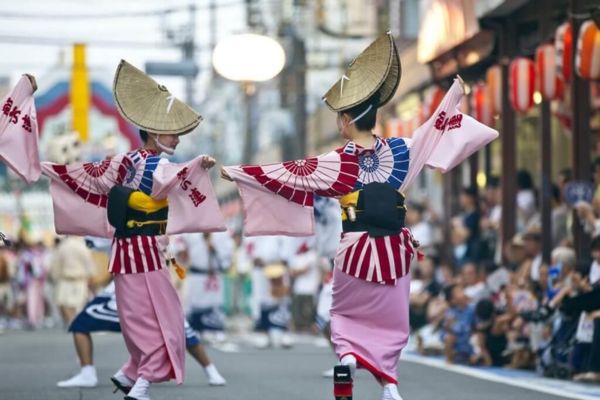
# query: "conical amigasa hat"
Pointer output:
{"type": "Point", "coordinates": [149, 105]}
{"type": "Point", "coordinates": [377, 68]}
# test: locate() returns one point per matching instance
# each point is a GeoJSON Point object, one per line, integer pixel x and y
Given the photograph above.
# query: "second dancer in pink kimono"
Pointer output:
{"type": "Point", "coordinates": [369, 314]}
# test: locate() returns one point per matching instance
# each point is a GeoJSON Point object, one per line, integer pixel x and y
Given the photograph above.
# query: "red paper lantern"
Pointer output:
{"type": "Point", "coordinates": [494, 88]}
{"type": "Point", "coordinates": [587, 62]}
{"type": "Point", "coordinates": [564, 51]}
{"type": "Point", "coordinates": [480, 103]}
{"type": "Point", "coordinates": [522, 83]}
{"type": "Point", "coordinates": [550, 85]}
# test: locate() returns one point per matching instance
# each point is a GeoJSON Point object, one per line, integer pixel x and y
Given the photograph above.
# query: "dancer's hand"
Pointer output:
{"type": "Point", "coordinates": [32, 81]}
{"type": "Point", "coordinates": [207, 162]}
{"type": "Point", "coordinates": [225, 175]}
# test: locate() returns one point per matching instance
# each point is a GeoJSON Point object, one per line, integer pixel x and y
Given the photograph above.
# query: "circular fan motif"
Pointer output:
{"type": "Point", "coordinates": [388, 162]}
{"type": "Point", "coordinates": [331, 174]}
{"type": "Point", "coordinates": [96, 169]}
{"type": "Point", "coordinates": [92, 181]}
{"type": "Point", "coordinates": [368, 162]}
{"type": "Point", "coordinates": [302, 167]}
{"type": "Point", "coordinates": [131, 174]}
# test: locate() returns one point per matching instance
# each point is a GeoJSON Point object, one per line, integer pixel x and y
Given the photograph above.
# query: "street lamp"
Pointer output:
{"type": "Point", "coordinates": [248, 58]}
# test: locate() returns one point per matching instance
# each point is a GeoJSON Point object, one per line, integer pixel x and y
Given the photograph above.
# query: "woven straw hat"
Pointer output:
{"type": "Point", "coordinates": [274, 271]}
{"type": "Point", "coordinates": [377, 68]}
{"type": "Point", "coordinates": [149, 105]}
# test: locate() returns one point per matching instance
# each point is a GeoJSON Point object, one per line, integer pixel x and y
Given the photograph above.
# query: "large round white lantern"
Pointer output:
{"type": "Point", "coordinates": [248, 57]}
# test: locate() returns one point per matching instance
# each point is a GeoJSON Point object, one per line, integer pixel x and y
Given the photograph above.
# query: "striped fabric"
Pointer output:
{"type": "Point", "coordinates": [522, 83]}
{"type": "Point", "coordinates": [382, 259]}
{"type": "Point", "coordinates": [548, 81]}
{"type": "Point", "coordinates": [136, 254]}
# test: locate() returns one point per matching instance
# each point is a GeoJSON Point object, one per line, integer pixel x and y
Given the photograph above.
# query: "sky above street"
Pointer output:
{"type": "Point", "coordinates": [36, 34]}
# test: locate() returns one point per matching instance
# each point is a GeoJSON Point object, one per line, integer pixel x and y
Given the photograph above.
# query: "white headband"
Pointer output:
{"type": "Point", "coordinates": [362, 114]}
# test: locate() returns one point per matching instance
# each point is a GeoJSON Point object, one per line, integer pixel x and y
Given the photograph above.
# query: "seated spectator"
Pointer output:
{"type": "Point", "coordinates": [473, 282]}
{"type": "Point", "coordinates": [490, 334]}
{"type": "Point", "coordinates": [458, 326]}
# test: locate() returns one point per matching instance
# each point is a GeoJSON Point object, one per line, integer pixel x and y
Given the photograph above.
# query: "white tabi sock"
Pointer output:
{"type": "Point", "coordinates": [390, 392]}
{"type": "Point", "coordinates": [124, 379]}
{"type": "Point", "coordinates": [141, 390]}
{"type": "Point", "coordinates": [350, 361]}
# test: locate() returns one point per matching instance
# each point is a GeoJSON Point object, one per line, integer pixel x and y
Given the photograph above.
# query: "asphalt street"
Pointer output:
{"type": "Point", "coordinates": [32, 362]}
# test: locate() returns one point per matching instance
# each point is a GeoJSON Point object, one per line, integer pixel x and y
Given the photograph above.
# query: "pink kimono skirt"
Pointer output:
{"type": "Point", "coordinates": [152, 324]}
{"type": "Point", "coordinates": [370, 321]}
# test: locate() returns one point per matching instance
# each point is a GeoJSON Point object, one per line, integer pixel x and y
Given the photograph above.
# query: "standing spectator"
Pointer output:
{"type": "Point", "coordinates": [208, 256]}
{"type": "Point", "coordinates": [420, 229]}
{"type": "Point", "coordinates": [35, 262]}
{"type": "Point", "coordinates": [428, 288]}
{"type": "Point", "coordinates": [306, 277]}
{"type": "Point", "coordinates": [465, 228]}
{"type": "Point", "coordinates": [71, 269]}
{"type": "Point", "coordinates": [526, 199]}
{"type": "Point", "coordinates": [270, 300]}
{"type": "Point", "coordinates": [490, 221]}
{"type": "Point", "coordinates": [533, 248]}
{"type": "Point", "coordinates": [560, 213]}
{"type": "Point", "coordinates": [6, 293]}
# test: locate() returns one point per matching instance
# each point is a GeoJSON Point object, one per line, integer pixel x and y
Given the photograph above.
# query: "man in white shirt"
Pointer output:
{"type": "Point", "coordinates": [306, 277]}
{"type": "Point", "coordinates": [208, 256]}
{"type": "Point", "coordinates": [533, 248]}
{"type": "Point", "coordinates": [270, 306]}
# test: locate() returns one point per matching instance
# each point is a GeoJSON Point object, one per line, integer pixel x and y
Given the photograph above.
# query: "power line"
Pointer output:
{"type": "Point", "coordinates": [122, 14]}
{"type": "Point", "coordinates": [48, 41]}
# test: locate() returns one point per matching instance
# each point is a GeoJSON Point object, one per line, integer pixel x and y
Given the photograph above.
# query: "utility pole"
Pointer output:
{"type": "Point", "coordinates": [188, 47]}
{"type": "Point", "coordinates": [293, 93]}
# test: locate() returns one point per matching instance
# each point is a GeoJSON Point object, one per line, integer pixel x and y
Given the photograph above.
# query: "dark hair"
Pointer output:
{"type": "Point", "coordinates": [595, 244]}
{"type": "Point", "coordinates": [595, 164]}
{"type": "Point", "coordinates": [566, 174]}
{"type": "Point", "coordinates": [144, 135]}
{"type": "Point", "coordinates": [367, 121]}
{"type": "Point", "coordinates": [416, 206]}
{"type": "Point", "coordinates": [470, 191]}
{"type": "Point", "coordinates": [493, 182]}
{"type": "Point", "coordinates": [448, 290]}
{"type": "Point", "coordinates": [484, 309]}
{"type": "Point", "coordinates": [583, 267]}
{"type": "Point", "coordinates": [524, 179]}
{"type": "Point", "coordinates": [556, 193]}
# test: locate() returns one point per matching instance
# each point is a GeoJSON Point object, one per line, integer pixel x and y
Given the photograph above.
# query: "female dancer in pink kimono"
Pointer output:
{"type": "Point", "coordinates": [369, 313]}
{"type": "Point", "coordinates": [131, 197]}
